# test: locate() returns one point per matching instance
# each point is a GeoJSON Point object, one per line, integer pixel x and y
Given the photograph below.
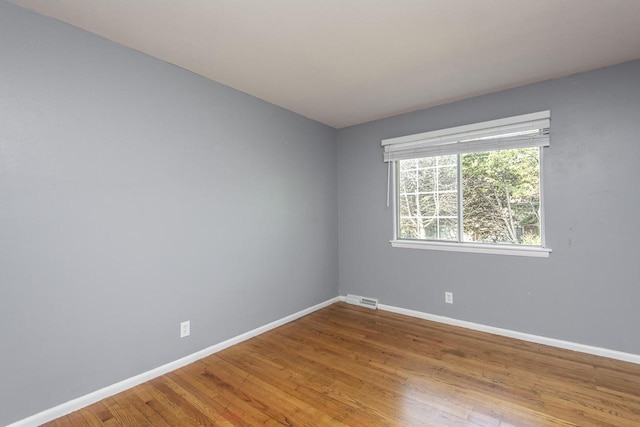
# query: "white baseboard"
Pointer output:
{"type": "Point", "coordinates": [88, 399]}
{"type": "Point", "coordinates": [568, 345]}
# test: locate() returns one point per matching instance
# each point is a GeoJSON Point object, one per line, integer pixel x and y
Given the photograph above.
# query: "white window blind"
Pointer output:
{"type": "Point", "coordinates": [528, 130]}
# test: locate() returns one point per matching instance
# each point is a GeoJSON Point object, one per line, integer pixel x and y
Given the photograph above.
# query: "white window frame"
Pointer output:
{"type": "Point", "coordinates": [456, 141]}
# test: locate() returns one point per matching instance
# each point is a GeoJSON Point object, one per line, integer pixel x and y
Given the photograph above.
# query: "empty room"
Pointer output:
{"type": "Point", "coordinates": [319, 213]}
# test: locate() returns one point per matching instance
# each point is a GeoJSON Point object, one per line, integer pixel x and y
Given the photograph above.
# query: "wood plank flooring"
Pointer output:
{"type": "Point", "coordinates": [351, 366]}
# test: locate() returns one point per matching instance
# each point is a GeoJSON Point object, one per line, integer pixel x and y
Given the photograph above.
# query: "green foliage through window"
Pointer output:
{"type": "Point", "coordinates": [498, 193]}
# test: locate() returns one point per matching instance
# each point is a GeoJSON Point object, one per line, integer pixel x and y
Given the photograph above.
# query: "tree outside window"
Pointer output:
{"type": "Point", "coordinates": [499, 193]}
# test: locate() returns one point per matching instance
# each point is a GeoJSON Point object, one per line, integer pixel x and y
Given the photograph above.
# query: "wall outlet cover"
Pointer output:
{"type": "Point", "coordinates": [448, 297]}
{"type": "Point", "coordinates": [185, 329]}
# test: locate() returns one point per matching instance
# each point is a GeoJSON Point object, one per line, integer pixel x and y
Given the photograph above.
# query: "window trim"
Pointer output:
{"type": "Point", "coordinates": [470, 247]}
{"type": "Point", "coordinates": [486, 248]}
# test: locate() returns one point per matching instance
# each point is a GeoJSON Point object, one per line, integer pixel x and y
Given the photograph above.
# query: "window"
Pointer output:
{"type": "Point", "coordinates": [471, 188]}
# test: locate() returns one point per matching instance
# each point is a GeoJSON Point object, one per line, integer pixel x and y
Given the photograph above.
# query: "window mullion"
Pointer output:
{"type": "Point", "coordinates": [460, 189]}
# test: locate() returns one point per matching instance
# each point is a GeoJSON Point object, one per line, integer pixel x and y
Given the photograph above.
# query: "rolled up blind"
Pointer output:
{"type": "Point", "coordinates": [528, 130]}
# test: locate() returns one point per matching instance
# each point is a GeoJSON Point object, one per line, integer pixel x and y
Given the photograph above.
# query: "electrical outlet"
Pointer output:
{"type": "Point", "coordinates": [185, 329]}
{"type": "Point", "coordinates": [448, 297]}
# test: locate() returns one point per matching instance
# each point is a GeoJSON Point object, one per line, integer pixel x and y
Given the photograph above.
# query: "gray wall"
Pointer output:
{"type": "Point", "coordinates": [589, 288]}
{"type": "Point", "coordinates": [135, 195]}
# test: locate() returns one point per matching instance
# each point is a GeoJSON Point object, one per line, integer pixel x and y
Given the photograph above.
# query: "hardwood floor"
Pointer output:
{"type": "Point", "coordinates": [351, 366]}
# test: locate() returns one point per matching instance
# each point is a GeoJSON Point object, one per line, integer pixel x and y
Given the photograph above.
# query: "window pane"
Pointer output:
{"type": "Point", "coordinates": [448, 229]}
{"type": "Point", "coordinates": [427, 196]}
{"type": "Point", "coordinates": [427, 180]}
{"type": "Point", "coordinates": [408, 164]}
{"type": "Point", "coordinates": [448, 178]}
{"type": "Point", "coordinates": [451, 159]}
{"type": "Point", "coordinates": [427, 205]}
{"type": "Point", "coordinates": [501, 196]}
{"type": "Point", "coordinates": [408, 229]}
{"type": "Point", "coordinates": [426, 162]}
{"type": "Point", "coordinates": [448, 204]}
{"type": "Point", "coordinates": [409, 181]}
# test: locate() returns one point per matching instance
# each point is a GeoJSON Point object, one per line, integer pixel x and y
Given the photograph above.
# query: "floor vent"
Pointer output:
{"type": "Point", "coordinates": [362, 301]}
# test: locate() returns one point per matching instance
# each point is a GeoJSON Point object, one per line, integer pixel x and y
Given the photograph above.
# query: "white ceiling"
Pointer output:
{"type": "Point", "coordinates": [344, 62]}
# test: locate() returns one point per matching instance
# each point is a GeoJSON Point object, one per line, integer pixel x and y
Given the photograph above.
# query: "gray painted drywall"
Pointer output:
{"type": "Point", "coordinates": [135, 195]}
{"type": "Point", "coordinates": [588, 290]}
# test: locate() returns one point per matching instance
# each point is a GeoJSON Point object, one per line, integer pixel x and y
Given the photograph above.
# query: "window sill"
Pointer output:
{"type": "Point", "coordinates": [530, 251]}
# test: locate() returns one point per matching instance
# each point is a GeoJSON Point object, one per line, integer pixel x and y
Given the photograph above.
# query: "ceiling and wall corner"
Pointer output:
{"type": "Point", "coordinates": [345, 63]}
